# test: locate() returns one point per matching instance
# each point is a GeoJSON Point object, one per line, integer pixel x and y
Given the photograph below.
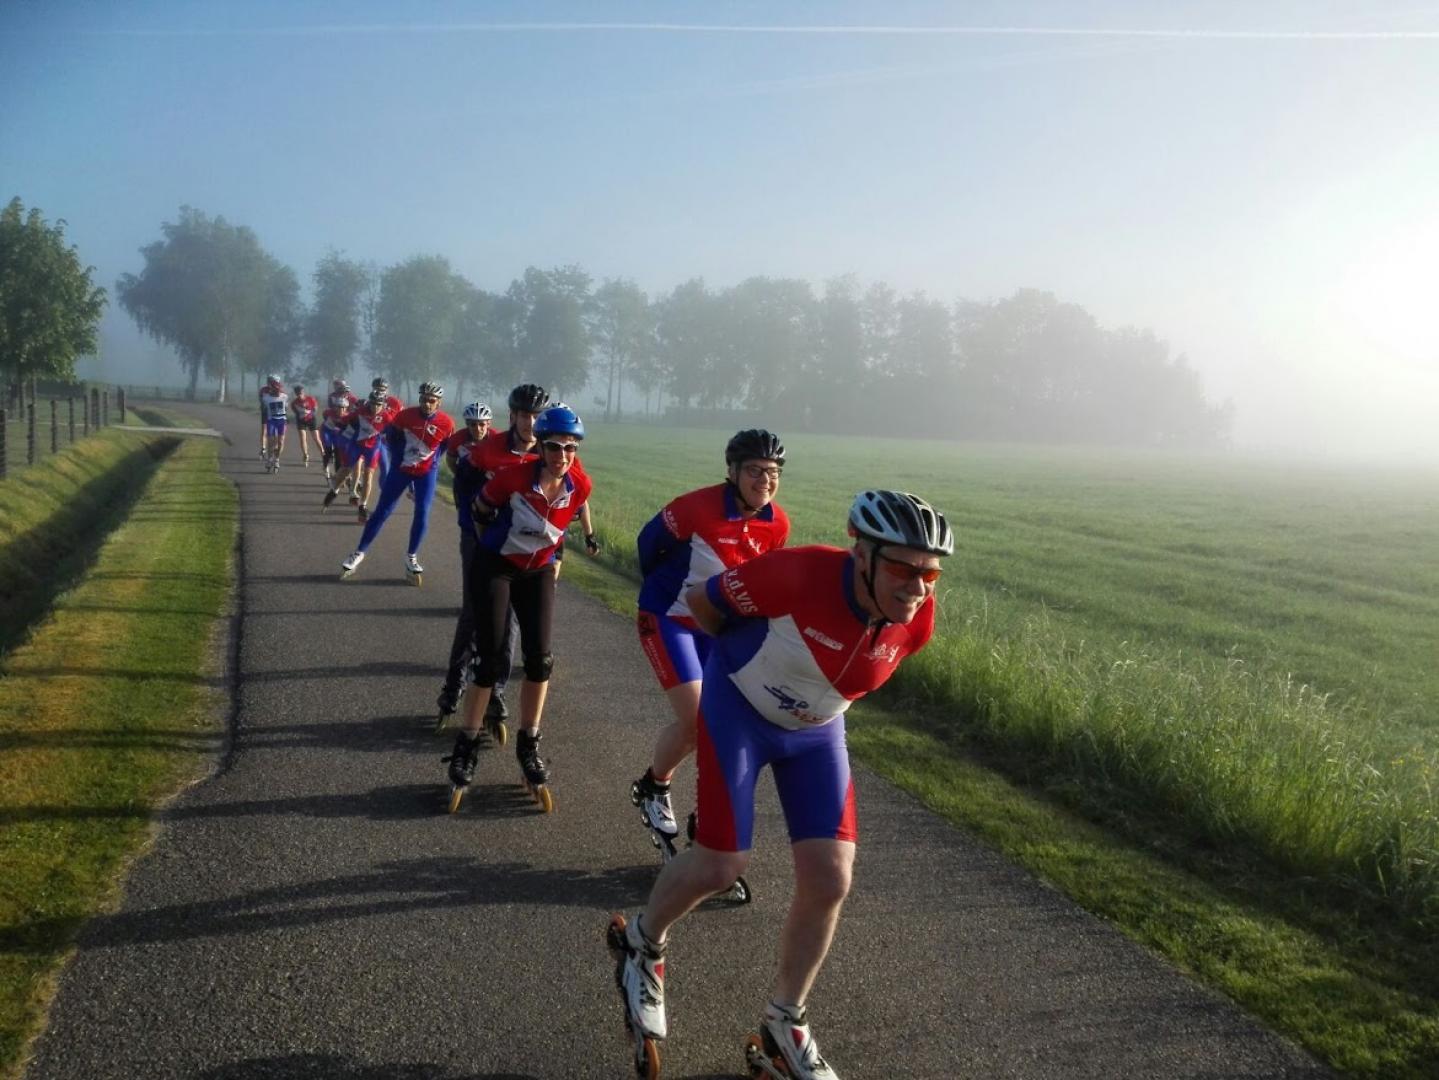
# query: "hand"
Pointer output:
{"type": "Point", "coordinates": [592, 545]}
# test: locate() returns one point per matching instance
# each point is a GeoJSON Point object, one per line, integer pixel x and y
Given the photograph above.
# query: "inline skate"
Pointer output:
{"type": "Point", "coordinates": [462, 761]}
{"type": "Point", "coordinates": [536, 774]}
{"type": "Point", "coordinates": [414, 572]}
{"type": "Point", "coordinates": [640, 977]}
{"type": "Point", "coordinates": [784, 1049]}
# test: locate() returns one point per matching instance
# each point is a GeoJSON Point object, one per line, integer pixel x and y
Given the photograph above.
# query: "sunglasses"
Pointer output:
{"type": "Point", "coordinates": [429, 401]}
{"type": "Point", "coordinates": [903, 571]}
{"type": "Point", "coordinates": [558, 447]}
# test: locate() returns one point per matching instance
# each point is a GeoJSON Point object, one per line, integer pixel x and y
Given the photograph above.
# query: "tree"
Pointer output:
{"type": "Point", "coordinates": [277, 337]}
{"type": "Point", "coordinates": [205, 291]}
{"type": "Point", "coordinates": [332, 330]}
{"type": "Point", "coordinates": [49, 308]}
{"type": "Point", "coordinates": [421, 300]}
{"type": "Point", "coordinates": [622, 327]}
{"type": "Point", "coordinates": [685, 340]}
{"type": "Point", "coordinates": [553, 342]}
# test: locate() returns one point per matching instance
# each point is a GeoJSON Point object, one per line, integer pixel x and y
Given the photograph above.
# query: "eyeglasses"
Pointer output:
{"type": "Point", "coordinates": [427, 400]}
{"type": "Point", "coordinates": [903, 571]}
{"type": "Point", "coordinates": [558, 447]}
{"type": "Point", "coordinates": [759, 472]}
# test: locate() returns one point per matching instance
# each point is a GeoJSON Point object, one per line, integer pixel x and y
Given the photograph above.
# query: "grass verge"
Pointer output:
{"type": "Point", "coordinates": [1358, 991]}
{"type": "Point", "coordinates": [105, 712]}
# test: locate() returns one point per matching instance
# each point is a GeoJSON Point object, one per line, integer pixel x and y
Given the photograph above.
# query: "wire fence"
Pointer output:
{"type": "Point", "coordinates": [34, 424]}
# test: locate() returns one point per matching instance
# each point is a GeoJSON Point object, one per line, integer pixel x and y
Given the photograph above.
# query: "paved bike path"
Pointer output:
{"type": "Point", "coordinates": [311, 911]}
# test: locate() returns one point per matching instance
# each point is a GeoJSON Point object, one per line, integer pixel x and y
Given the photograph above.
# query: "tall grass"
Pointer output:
{"type": "Point", "coordinates": [1247, 651]}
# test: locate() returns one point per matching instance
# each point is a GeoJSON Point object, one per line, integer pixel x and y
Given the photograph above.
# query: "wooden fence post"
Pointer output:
{"type": "Point", "coordinates": [54, 426]}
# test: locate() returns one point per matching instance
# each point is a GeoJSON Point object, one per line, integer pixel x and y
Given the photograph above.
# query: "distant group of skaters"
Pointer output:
{"type": "Point", "coordinates": [760, 649]}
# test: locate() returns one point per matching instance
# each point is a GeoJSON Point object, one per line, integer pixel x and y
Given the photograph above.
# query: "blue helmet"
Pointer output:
{"type": "Point", "coordinates": [559, 420]}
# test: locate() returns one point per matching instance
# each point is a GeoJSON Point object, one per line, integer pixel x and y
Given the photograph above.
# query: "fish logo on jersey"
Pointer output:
{"type": "Point", "coordinates": [887, 654]}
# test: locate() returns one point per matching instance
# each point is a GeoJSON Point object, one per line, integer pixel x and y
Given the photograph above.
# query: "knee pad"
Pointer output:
{"type": "Point", "coordinates": [538, 668]}
{"type": "Point", "coordinates": [485, 671]}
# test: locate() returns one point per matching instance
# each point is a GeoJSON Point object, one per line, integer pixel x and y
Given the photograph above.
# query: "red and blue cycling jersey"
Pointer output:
{"type": "Point", "coordinates": [697, 535]}
{"type": "Point", "coordinates": [798, 645]}
{"type": "Point", "coordinates": [418, 440]}
{"type": "Point", "coordinates": [368, 422]}
{"type": "Point", "coordinates": [529, 527]}
{"type": "Point", "coordinates": [304, 406]}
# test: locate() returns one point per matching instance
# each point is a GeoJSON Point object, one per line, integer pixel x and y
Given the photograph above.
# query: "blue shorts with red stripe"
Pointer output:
{"type": "Point", "coordinates": [676, 652]}
{"type": "Point", "coordinates": [810, 767]}
{"type": "Point", "coordinates": [358, 451]}
{"type": "Point", "coordinates": [275, 425]}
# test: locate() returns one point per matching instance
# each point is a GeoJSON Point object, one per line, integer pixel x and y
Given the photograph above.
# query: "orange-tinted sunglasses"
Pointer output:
{"type": "Point", "coordinates": [903, 571]}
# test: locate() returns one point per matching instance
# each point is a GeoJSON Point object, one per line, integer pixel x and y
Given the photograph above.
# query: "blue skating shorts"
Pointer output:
{"type": "Point", "coordinates": [676, 652]}
{"type": "Point", "coordinates": [275, 425]}
{"type": "Point", "coordinates": [810, 767]}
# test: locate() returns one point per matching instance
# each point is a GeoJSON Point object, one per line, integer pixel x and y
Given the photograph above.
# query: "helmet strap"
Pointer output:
{"type": "Point", "coordinates": [738, 494]}
{"type": "Point", "coordinates": [879, 622]}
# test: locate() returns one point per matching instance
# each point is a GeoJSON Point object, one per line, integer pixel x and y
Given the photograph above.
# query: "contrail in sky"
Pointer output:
{"type": "Point", "coordinates": [837, 31]}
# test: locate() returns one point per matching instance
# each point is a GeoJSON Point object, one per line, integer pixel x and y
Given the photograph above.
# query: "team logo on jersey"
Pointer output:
{"type": "Point", "coordinates": [738, 595]}
{"type": "Point", "coordinates": [796, 706]}
{"type": "Point", "coordinates": [887, 654]}
{"type": "Point", "coordinates": [824, 639]}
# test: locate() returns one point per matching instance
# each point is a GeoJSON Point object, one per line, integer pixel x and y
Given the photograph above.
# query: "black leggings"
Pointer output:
{"type": "Point", "coordinates": [497, 586]}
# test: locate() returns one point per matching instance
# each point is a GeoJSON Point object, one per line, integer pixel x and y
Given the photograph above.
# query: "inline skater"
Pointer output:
{"type": "Point", "coordinates": [697, 535]}
{"type": "Point", "coordinates": [379, 384]}
{"type": "Point", "coordinates": [338, 407]}
{"type": "Point", "coordinates": [466, 484]}
{"type": "Point", "coordinates": [307, 426]}
{"type": "Point", "coordinates": [515, 445]}
{"type": "Point", "coordinates": [274, 402]}
{"type": "Point", "coordinates": [364, 442]}
{"type": "Point", "coordinates": [800, 634]}
{"type": "Point", "coordinates": [418, 436]}
{"type": "Point", "coordinates": [522, 513]}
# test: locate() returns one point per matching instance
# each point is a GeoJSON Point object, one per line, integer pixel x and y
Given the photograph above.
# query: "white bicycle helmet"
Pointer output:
{"type": "Point", "coordinates": [477, 410]}
{"type": "Point", "coordinates": [897, 517]}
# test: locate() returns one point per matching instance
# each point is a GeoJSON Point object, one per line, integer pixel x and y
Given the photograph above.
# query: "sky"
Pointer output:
{"type": "Point", "coordinates": [1258, 184]}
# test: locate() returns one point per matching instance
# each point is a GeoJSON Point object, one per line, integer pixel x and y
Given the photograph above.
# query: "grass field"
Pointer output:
{"type": "Point", "coordinates": [1249, 650]}
{"type": "Point", "coordinates": [109, 702]}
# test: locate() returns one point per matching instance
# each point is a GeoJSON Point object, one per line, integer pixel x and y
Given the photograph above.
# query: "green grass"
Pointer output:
{"type": "Point", "coordinates": [1228, 667]}
{"type": "Point", "coordinates": [119, 667]}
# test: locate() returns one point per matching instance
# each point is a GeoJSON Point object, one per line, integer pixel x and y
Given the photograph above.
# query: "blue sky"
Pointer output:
{"type": "Point", "coordinates": [1260, 185]}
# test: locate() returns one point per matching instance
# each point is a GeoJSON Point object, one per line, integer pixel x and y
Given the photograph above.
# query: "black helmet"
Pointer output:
{"type": "Point", "coordinates": [380, 384]}
{"type": "Point", "coordinates": [751, 444]}
{"type": "Point", "coordinates": [527, 397]}
{"type": "Point", "coordinates": [897, 517]}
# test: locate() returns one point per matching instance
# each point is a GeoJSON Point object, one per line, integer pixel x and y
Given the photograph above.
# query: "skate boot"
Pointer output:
{"type": "Point", "coordinates": [653, 800]}
{"type": "Point", "coordinates": [463, 759]}
{"type": "Point", "coordinates": [414, 572]}
{"type": "Point", "coordinates": [363, 514]}
{"type": "Point", "coordinates": [784, 1047]}
{"type": "Point", "coordinates": [354, 498]}
{"type": "Point", "coordinates": [495, 715]}
{"type": "Point", "coordinates": [350, 565]}
{"type": "Point", "coordinates": [537, 776]}
{"type": "Point", "coordinates": [640, 976]}
{"type": "Point", "coordinates": [447, 703]}
{"type": "Point", "coordinates": [329, 500]}
{"type": "Point", "coordinates": [307, 461]}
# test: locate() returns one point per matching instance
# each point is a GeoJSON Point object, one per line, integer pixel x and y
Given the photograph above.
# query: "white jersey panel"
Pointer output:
{"type": "Point", "coordinates": [783, 682]}
{"type": "Point", "coordinates": [705, 563]}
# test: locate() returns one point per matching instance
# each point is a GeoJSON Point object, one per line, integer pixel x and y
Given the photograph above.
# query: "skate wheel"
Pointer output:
{"type": "Point", "coordinates": [457, 796]}
{"type": "Point", "coordinates": [500, 732]}
{"type": "Point", "coordinates": [740, 892]}
{"type": "Point", "coordinates": [753, 1051]}
{"type": "Point", "coordinates": [441, 721]}
{"type": "Point", "coordinates": [647, 1059]}
{"type": "Point", "coordinates": [545, 799]}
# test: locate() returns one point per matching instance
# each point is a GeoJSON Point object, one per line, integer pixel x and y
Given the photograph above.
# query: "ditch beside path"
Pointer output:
{"type": "Point", "coordinates": [312, 911]}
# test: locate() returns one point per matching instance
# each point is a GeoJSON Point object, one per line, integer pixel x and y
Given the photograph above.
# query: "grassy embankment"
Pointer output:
{"type": "Point", "coordinates": [107, 700]}
{"type": "Point", "coordinates": [1199, 697]}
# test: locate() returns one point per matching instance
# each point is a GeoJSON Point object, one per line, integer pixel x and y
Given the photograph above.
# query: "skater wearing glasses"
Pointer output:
{"type": "Point", "coordinates": [799, 635]}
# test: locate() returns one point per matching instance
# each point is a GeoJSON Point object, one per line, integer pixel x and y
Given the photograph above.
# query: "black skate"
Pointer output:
{"type": "Point", "coordinates": [363, 515]}
{"type": "Point", "coordinates": [447, 703]}
{"type": "Point", "coordinates": [537, 776]}
{"type": "Point", "coordinates": [329, 500]}
{"type": "Point", "coordinates": [495, 714]}
{"type": "Point", "coordinates": [463, 759]}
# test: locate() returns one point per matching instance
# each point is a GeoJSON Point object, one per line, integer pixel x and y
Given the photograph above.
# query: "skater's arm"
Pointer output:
{"type": "Point", "coordinates": [655, 541]}
{"type": "Point", "coordinates": [592, 543]}
{"type": "Point", "coordinates": [710, 618]}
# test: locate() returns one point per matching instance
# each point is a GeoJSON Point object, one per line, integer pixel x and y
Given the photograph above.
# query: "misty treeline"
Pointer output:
{"type": "Point", "coordinates": [49, 308]}
{"type": "Point", "coordinates": [851, 357]}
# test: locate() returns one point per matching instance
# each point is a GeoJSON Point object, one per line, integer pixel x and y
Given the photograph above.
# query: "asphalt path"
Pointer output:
{"type": "Point", "coordinates": [311, 911]}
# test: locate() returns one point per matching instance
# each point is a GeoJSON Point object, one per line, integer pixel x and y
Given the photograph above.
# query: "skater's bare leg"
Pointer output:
{"type": "Point", "coordinates": [822, 872]}
{"type": "Point", "coordinates": [365, 475]}
{"type": "Point", "coordinates": [532, 703]}
{"type": "Point", "coordinates": [677, 741]}
{"type": "Point", "coordinates": [475, 701]}
{"type": "Point", "coordinates": [694, 875]}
